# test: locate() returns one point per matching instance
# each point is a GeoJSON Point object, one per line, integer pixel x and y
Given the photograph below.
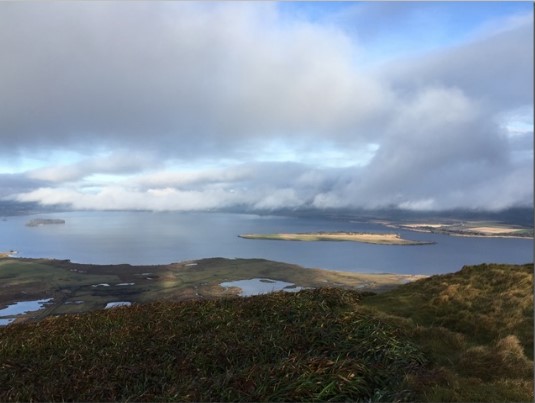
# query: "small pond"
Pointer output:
{"type": "Point", "coordinates": [117, 304]}
{"type": "Point", "coordinates": [256, 286]}
{"type": "Point", "coordinates": [19, 308]}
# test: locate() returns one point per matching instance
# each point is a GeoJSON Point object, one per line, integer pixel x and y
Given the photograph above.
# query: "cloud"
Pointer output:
{"type": "Point", "coordinates": [495, 69]}
{"type": "Point", "coordinates": [191, 80]}
{"type": "Point", "coordinates": [116, 163]}
{"type": "Point", "coordinates": [12, 184]}
{"type": "Point", "coordinates": [191, 106]}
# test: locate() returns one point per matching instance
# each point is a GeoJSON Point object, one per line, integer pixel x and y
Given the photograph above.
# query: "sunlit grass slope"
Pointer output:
{"type": "Point", "coordinates": [459, 337]}
{"type": "Point", "coordinates": [475, 326]}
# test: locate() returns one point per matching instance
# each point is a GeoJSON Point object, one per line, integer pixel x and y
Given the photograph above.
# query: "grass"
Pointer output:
{"type": "Point", "coordinates": [313, 345]}
{"type": "Point", "coordinates": [466, 336]}
{"type": "Point", "coordinates": [476, 326]}
{"type": "Point", "coordinates": [484, 302]}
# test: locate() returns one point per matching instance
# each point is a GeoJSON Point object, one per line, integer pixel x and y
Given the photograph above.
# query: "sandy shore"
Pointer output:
{"type": "Point", "coordinates": [374, 238]}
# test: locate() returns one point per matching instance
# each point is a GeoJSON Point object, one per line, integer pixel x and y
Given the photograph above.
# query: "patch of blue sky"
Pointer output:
{"type": "Point", "coordinates": [99, 179]}
{"type": "Point", "coordinates": [311, 11]}
{"type": "Point", "coordinates": [200, 164]}
{"type": "Point", "coordinates": [323, 155]}
{"type": "Point", "coordinates": [387, 30]}
{"type": "Point", "coordinates": [29, 162]}
{"type": "Point", "coordinates": [518, 121]}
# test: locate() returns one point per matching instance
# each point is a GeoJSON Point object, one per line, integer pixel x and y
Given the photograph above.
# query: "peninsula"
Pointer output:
{"type": "Point", "coordinates": [365, 237]}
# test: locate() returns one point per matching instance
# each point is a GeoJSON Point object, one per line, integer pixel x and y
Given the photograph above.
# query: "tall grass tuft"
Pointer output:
{"type": "Point", "coordinates": [475, 327]}
{"type": "Point", "coordinates": [313, 345]}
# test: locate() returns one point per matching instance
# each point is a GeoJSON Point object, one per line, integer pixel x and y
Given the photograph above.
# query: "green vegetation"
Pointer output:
{"type": "Point", "coordinates": [308, 346]}
{"type": "Point", "coordinates": [466, 336]}
{"type": "Point", "coordinates": [476, 326]}
{"type": "Point", "coordinates": [72, 286]}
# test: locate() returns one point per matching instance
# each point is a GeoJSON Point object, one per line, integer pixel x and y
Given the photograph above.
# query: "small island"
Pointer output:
{"type": "Point", "coordinates": [44, 221]}
{"type": "Point", "coordinates": [365, 237]}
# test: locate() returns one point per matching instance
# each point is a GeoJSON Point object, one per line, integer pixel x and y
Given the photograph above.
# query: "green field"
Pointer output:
{"type": "Point", "coordinates": [466, 336]}
{"type": "Point", "coordinates": [74, 289]}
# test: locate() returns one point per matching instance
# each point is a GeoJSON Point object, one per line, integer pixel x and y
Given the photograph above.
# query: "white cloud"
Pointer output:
{"type": "Point", "coordinates": [418, 205]}
{"type": "Point", "coordinates": [116, 163]}
{"type": "Point", "coordinates": [282, 110]}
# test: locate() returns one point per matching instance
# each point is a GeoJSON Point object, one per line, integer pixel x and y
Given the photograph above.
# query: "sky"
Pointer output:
{"type": "Point", "coordinates": [267, 105]}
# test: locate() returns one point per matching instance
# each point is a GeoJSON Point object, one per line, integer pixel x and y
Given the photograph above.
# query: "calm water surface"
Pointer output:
{"type": "Point", "coordinates": [159, 238]}
{"type": "Point", "coordinates": [19, 308]}
{"type": "Point", "coordinates": [256, 286]}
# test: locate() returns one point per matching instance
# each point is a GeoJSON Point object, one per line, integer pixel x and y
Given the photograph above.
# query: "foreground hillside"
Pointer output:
{"type": "Point", "coordinates": [475, 326]}
{"type": "Point", "coordinates": [460, 337]}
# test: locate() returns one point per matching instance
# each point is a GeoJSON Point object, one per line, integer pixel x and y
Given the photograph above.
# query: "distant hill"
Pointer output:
{"type": "Point", "coordinates": [14, 208]}
{"type": "Point", "coordinates": [523, 216]}
{"type": "Point", "coordinates": [466, 336]}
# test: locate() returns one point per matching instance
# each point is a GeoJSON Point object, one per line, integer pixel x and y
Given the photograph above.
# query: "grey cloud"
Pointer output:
{"type": "Point", "coordinates": [522, 141]}
{"type": "Point", "coordinates": [191, 80]}
{"type": "Point", "coordinates": [11, 184]}
{"type": "Point", "coordinates": [168, 82]}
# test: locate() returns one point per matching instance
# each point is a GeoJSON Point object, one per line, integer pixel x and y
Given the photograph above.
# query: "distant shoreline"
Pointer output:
{"type": "Point", "coordinates": [466, 230]}
{"type": "Point", "coordinates": [8, 254]}
{"type": "Point", "coordinates": [364, 237]}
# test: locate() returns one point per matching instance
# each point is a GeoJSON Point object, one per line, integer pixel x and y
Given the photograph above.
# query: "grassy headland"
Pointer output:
{"type": "Point", "coordinates": [366, 237]}
{"type": "Point", "coordinates": [465, 336]}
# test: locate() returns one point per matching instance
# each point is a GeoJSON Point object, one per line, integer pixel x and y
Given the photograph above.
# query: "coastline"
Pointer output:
{"type": "Point", "coordinates": [77, 288]}
{"type": "Point", "coordinates": [465, 232]}
{"type": "Point", "coordinates": [9, 254]}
